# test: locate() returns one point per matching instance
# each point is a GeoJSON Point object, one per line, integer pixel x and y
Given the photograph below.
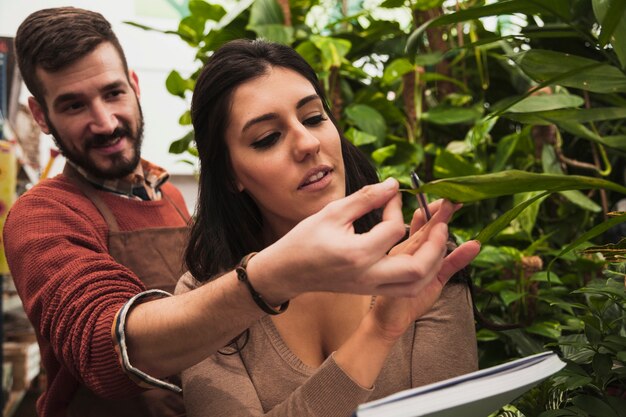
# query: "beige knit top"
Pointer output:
{"type": "Point", "coordinates": [266, 378]}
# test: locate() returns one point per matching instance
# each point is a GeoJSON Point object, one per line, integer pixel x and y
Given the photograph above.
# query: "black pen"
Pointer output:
{"type": "Point", "coordinates": [421, 198]}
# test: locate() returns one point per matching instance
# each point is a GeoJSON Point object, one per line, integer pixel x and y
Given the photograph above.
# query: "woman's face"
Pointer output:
{"type": "Point", "coordinates": [285, 151]}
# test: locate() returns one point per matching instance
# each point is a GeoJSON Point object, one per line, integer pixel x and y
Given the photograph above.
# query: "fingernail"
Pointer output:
{"type": "Point", "coordinates": [389, 183]}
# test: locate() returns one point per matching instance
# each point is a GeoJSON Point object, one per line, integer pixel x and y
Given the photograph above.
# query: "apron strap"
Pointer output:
{"type": "Point", "coordinates": [87, 189]}
{"type": "Point", "coordinates": [180, 212]}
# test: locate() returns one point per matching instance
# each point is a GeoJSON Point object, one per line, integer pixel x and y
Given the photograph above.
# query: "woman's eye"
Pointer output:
{"type": "Point", "coordinates": [267, 141]}
{"type": "Point", "coordinates": [315, 120]}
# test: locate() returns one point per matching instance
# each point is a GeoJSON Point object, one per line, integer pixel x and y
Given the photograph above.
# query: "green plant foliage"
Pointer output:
{"type": "Point", "coordinates": [515, 108]}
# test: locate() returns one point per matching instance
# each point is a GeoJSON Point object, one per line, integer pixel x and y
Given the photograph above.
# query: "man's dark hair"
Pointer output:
{"type": "Point", "coordinates": [55, 38]}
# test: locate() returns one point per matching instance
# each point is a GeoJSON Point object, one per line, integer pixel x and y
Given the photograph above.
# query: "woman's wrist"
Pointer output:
{"type": "Point", "coordinates": [270, 283]}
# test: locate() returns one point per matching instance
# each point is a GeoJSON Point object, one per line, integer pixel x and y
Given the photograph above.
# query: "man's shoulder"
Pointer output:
{"type": "Point", "coordinates": [57, 192]}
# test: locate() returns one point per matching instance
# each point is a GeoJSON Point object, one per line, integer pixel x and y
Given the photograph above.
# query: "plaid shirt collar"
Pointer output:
{"type": "Point", "coordinates": [147, 175]}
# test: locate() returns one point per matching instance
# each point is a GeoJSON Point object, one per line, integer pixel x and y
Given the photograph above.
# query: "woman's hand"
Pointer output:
{"type": "Point", "coordinates": [392, 315]}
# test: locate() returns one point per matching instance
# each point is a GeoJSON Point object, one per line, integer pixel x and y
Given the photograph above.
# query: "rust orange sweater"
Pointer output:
{"type": "Point", "coordinates": [56, 245]}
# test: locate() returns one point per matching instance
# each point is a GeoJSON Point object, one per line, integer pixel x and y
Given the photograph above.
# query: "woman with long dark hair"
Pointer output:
{"type": "Point", "coordinates": [271, 157]}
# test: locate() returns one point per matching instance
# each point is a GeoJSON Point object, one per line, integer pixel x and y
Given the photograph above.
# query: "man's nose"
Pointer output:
{"type": "Point", "coordinates": [103, 120]}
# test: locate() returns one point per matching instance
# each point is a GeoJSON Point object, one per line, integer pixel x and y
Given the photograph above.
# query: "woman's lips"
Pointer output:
{"type": "Point", "coordinates": [316, 179]}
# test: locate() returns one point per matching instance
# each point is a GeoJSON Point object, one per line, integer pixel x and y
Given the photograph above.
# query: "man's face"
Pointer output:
{"type": "Point", "coordinates": [92, 111]}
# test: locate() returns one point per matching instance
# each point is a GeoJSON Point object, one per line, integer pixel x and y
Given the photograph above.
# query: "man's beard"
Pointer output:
{"type": "Point", "coordinates": [120, 166]}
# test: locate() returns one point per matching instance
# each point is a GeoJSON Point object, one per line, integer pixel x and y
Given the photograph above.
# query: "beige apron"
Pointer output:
{"type": "Point", "coordinates": [155, 255]}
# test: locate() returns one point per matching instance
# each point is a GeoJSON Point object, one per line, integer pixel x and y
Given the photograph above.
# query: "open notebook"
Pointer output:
{"type": "Point", "coordinates": [476, 394]}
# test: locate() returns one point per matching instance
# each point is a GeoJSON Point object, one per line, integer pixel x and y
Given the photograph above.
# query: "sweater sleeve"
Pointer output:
{"type": "Point", "coordinates": [70, 286]}
{"type": "Point", "coordinates": [445, 338]}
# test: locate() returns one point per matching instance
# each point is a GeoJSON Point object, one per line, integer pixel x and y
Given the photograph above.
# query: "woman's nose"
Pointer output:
{"type": "Point", "coordinates": [305, 143]}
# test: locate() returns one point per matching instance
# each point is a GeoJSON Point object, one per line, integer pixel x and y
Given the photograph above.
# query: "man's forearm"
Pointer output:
{"type": "Point", "coordinates": [167, 335]}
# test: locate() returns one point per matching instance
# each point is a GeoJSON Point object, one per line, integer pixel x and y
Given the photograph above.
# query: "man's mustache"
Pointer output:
{"type": "Point", "coordinates": [101, 140]}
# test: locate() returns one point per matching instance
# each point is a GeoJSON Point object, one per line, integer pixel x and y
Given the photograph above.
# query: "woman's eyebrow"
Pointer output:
{"type": "Point", "coordinates": [271, 116]}
{"type": "Point", "coordinates": [306, 99]}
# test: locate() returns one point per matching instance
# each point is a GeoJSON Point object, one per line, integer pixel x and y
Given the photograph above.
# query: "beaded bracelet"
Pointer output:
{"type": "Point", "coordinates": [242, 275]}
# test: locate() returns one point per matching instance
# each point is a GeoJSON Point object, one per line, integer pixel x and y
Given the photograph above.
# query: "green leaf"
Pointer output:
{"type": "Point", "coordinates": [443, 115]}
{"type": "Point", "coordinates": [448, 164]}
{"type": "Point", "coordinates": [509, 297]}
{"type": "Point", "coordinates": [586, 74]}
{"type": "Point", "coordinates": [551, 330]}
{"type": "Point", "coordinates": [359, 138]}
{"type": "Point", "coordinates": [425, 60]}
{"type": "Point", "coordinates": [569, 115]}
{"type": "Point", "coordinates": [380, 154]}
{"type": "Point", "coordinates": [206, 11]}
{"type": "Point", "coordinates": [594, 406]}
{"type": "Point", "coordinates": [176, 84]}
{"type": "Point", "coordinates": [502, 221]}
{"type": "Point", "coordinates": [333, 50]}
{"type": "Point", "coordinates": [486, 335]}
{"type": "Point", "coordinates": [396, 69]}
{"type": "Point", "coordinates": [181, 145]}
{"type": "Point", "coordinates": [185, 118]}
{"type": "Point", "coordinates": [367, 119]}
{"type": "Point", "coordinates": [546, 102]}
{"type": "Point", "coordinates": [617, 142]}
{"type": "Point", "coordinates": [542, 276]}
{"type": "Point", "coordinates": [479, 187]}
{"type": "Point", "coordinates": [506, 147]}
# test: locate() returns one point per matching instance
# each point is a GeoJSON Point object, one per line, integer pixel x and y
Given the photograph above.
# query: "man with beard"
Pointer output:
{"type": "Point", "coordinates": [110, 227]}
{"type": "Point", "coordinates": [96, 251]}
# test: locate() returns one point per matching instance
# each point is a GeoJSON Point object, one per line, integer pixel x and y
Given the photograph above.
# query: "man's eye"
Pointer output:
{"type": "Point", "coordinates": [267, 141]}
{"type": "Point", "coordinates": [115, 93]}
{"type": "Point", "coordinates": [74, 106]}
{"type": "Point", "coordinates": [315, 120]}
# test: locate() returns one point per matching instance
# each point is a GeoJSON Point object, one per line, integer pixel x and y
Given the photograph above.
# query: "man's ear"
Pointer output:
{"type": "Point", "coordinates": [38, 114]}
{"type": "Point", "coordinates": [134, 81]}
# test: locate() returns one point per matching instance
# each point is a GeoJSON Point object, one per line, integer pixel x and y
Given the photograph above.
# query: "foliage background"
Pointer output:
{"type": "Point", "coordinates": [514, 107]}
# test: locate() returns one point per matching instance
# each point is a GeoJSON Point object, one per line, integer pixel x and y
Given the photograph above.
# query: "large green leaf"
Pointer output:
{"type": "Point", "coordinates": [617, 142]}
{"type": "Point", "coordinates": [479, 187]}
{"type": "Point", "coordinates": [597, 114]}
{"type": "Point", "coordinates": [583, 73]}
{"type": "Point", "coordinates": [448, 164]}
{"type": "Point", "coordinates": [368, 120]}
{"type": "Point", "coordinates": [445, 115]}
{"type": "Point", "coordinates": [503, 221]}
{"type": "Point", "coordinates": [546, 102]}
